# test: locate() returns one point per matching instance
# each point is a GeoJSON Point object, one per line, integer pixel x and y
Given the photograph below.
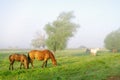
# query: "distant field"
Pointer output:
{"type": "Point", "coordinates": [72, 65]}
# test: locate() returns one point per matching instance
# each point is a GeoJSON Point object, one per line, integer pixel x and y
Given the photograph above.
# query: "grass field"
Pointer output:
{"type": "Point", "coordinates": [72, 65]}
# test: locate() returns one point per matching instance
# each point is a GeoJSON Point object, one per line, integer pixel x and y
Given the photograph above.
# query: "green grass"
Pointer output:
{"type": "Point", "coordinates": [72, 65]}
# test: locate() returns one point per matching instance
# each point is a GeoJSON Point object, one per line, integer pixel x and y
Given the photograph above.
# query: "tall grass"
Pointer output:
{"type": "Point", "coordinates": [72, 65]}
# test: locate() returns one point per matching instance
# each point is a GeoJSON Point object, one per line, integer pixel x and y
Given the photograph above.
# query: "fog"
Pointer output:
{"type": "Point", "coordinates": [21, 19]}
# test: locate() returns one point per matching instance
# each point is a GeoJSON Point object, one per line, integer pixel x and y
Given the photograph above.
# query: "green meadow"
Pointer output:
{"type": "Point", "coordinates": [72, 65]}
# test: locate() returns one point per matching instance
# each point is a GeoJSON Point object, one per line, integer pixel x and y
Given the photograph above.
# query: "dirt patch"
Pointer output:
{"type": "Point", "coordinates": [114, 78]}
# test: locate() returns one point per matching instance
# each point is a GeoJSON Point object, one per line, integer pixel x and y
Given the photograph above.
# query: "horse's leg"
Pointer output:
{"type": "Point", "coordinates": [9, 67]}
{"type": "Point", "coordinates": [46, 64]}
{"type": "Point", "coordinates": [21, 65]}
{"type": "Point", "coordinates": [12, 64]}
{"type": "Point", "coordinates": [43, 64]}
{"type": "Point", "coordinates": [31, 61]}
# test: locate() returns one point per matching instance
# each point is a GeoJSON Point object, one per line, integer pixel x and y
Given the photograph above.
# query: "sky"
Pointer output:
{"type": "Point", "coordinates": [21, 19]}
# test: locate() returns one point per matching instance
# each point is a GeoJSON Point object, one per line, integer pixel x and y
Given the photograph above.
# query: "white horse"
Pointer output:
{"type": "Point", "coordinates": [94, 51]}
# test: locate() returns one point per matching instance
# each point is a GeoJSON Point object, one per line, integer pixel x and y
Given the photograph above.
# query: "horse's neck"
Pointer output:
{"type": "Point", "coordinates": [53, 59]}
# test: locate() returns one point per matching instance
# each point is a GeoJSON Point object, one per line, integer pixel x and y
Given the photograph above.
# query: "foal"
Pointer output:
{"type": "Point", "coordinates": [18, 57]}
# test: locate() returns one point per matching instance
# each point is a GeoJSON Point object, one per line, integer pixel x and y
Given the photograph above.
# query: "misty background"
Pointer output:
{"type": "Point", "coordinates": [20, 20]}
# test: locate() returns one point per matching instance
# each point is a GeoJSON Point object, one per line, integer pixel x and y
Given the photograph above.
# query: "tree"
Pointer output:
{"type": "Point", "coordinates": [38, 41]}
{"type": "Point", "coordinates": [60, 30]}
{"type": "Point", "coordinates": [112, 41]}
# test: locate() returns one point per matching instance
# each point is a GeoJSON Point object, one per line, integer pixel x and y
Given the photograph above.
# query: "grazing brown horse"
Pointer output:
{"type": "Point", "coordinates": [19, 57]}
{"type": "Point", "coordinates": [43, 55]}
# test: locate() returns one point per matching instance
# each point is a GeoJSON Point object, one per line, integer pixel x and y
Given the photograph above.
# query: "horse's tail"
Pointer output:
{"type": "Point", "coordinates": [29, 58]}
{"type": "Point", "coordinates": [52, 58]}
{"type": "Point", "coordinates": [10, 57]}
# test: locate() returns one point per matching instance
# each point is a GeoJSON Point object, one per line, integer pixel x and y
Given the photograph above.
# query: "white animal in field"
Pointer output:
{"type": "Point", "coordinates": [94, 51]}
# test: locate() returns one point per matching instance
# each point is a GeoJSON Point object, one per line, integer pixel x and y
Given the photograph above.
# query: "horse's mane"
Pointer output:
{"type": "Point", "coordinates": [52, 56]}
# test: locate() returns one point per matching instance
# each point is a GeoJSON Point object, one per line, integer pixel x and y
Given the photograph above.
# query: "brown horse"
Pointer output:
{"type": "Point", "coordinates": [19, 57]}
{"type": "Point", "coordinates": [43, 56]}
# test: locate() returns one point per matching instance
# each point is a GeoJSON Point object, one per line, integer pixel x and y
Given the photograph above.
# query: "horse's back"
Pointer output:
{"type": "Point", "coordinates": [17, 57]}
{"type": "Point", "coordinates": [38, 54]}
{"type": "Point", "coordinates": [13, 56]}
{"type": "Point", "coordinates": [23, 57]}
{"type": "Point", "coordinates": [32, 54]}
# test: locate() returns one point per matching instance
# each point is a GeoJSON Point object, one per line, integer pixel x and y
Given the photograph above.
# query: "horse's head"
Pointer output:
{"type": "Point", "coordinates": [54, 63]}
{"type": "Point", "coordinates": [26, 64]}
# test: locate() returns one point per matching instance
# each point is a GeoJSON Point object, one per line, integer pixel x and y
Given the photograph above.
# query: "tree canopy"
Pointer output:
{"type": "Point", "coordinates": [38, 41]}
{"type": "Point", "coordinates": [60, 30]}
{"type": "Point", "coordinates": [112, 40]}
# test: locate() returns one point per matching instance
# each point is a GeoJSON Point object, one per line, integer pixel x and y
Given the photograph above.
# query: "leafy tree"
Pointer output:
{"type": "Point", "coordinates": [38, 41]}
{"type": "Point", "coordinates": [112, 41]}
{"type": "Point", "coordinates": [60, 30]}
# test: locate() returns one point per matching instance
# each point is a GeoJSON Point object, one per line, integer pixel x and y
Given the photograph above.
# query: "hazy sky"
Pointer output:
{"type": "Point", "coordinates": [21, 19]}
